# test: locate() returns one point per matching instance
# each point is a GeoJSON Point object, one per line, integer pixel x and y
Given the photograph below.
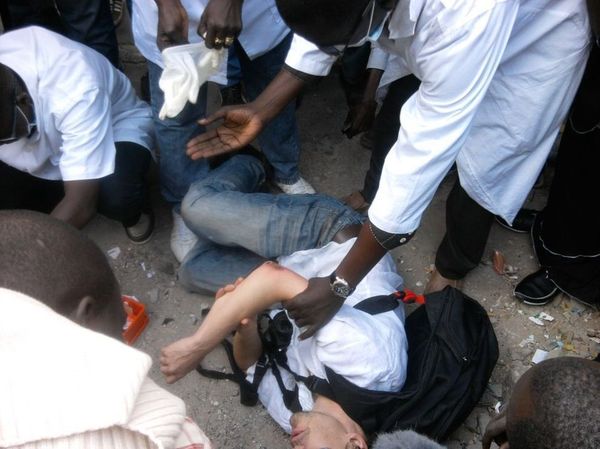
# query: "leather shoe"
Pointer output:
{"type": "Point", "coordinates": [522, 223]}
{"type": "Point", "coordinates": [536, 289]}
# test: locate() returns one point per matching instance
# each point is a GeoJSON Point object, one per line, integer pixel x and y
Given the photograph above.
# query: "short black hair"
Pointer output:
{"type": "Point", "coordinates": [323, 22]}
{"type": "Point", "coordinates": [566, 408]}
{"type": "Point", "coordinates": [52, 262]}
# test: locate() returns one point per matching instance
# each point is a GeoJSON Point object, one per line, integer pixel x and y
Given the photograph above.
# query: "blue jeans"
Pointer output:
{"type": "Point", "coordinates": [240, 227]}
{"type": "Point", "coordinates": [279, 140]}
{"type": "Point", "coordinates": [177, 171]}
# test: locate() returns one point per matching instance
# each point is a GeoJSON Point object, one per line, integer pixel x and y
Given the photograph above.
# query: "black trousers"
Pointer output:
{"type": "Point", "coordinates": [467, 229]}
{"type": "Point", "coordinates": [385, 131]}
{"type": "Point", "coordinates": [122, 197]}
{"type": "Point", "coordinates": [86, 21]}
{"type": "Point", "coordinates": [566, 235]}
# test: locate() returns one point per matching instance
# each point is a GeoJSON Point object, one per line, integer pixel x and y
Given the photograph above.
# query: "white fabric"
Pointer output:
{"type": "Point", "coordinates": [83, 105]}
{"type": "Point", "coordinates": [262, 30]}
{"type": "Point", "coordinates": [186, 69]}
{"type": "Point", "coordinates": [351, 344]}
{"type": "Point", "coordinates": [64, 386]}
{"type": "Point", "coordinates": [498, 77]}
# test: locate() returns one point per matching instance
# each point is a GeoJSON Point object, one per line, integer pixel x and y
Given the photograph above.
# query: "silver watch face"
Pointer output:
{"type": "Point", "coordinates": [341, 288]}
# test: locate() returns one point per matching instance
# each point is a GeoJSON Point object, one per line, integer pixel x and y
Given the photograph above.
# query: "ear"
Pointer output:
{"type": "Point", "coordinates": [356, 441]}
{"type": "Point", "coordinates": [84, 311]}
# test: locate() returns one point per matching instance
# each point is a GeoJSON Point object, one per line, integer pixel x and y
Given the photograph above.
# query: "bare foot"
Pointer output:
{"type": "Point", "coordinates": [179, 358]}
{"type": "Point", "coordinates": [437, 282]}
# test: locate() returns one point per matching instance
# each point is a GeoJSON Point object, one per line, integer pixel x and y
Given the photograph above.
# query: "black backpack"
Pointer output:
{"type": "Point", "coordinates": [452, 352]}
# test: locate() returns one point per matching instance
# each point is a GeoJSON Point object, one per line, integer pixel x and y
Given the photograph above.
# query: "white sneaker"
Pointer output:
{"type": "Point", "coordinates": [182, 238]}
{"type": "Point", "coordinates": [298, 188]}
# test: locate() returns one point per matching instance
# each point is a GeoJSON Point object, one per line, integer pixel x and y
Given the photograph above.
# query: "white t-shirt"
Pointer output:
{"type": "Point", "coordinates": [351, 344]}
{"type": "Point", "coordinates": [83, 105]}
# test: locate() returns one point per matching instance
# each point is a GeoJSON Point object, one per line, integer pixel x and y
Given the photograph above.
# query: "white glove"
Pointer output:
{"type": "Point", "coordinates": [187, 68]}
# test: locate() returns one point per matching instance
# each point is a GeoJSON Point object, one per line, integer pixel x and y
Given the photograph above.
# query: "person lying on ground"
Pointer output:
{"type": "Point", "coordinates": [553, 405]}
{"type": "Point", "coordinates": [349, 345]}
{"type": "Point", "coordinates": [71, 384]}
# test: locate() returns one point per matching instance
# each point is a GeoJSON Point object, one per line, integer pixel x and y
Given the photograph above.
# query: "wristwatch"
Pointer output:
{"type": "Point", "coordinates": [339, 286]}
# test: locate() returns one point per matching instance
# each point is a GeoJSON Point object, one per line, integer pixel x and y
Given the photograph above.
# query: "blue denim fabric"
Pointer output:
{"type": "Point", "coordinates": [177, 171]}
{"type": "Point", "coordinates": [279, 141]}
{"type": "Point", "coordinates": [240, 227]}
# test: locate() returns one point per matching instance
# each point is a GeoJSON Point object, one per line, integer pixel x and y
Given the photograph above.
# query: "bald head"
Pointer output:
{"type": "Point", "coordinates": [554, 405]}
{"type": "Point", "coordinates": [56, 264]}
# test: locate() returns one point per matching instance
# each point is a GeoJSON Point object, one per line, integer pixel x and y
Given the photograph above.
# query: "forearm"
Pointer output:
{"type": "Point", "coordinates": [362, 257]}
{"type": "Point", "coordinates": [373, 79]}
{"type": "Point", "coordinates": [265, 286]}
{"type": "Point", "coordinates": [78, 206]}
{"type": "Point", "coordinates": [284, 88]}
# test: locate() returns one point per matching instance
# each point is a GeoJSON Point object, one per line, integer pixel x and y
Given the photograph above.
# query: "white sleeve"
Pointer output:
{"type": "Point", "coordinates": [378, 58]}
{"type": "Point", "coordinates": [457, 69]}
{"type": "Point", "coordinates": [306, 57]}
{"type": "Point", "coordinates": [87, 149]}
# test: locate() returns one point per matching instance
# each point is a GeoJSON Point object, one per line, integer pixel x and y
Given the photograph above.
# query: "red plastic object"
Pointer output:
{"type": "Point", "coordinates": [137, 319]}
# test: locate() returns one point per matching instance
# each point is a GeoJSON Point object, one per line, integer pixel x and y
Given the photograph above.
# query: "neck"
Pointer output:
{"type": "Point", "coordinates": [331, 408]}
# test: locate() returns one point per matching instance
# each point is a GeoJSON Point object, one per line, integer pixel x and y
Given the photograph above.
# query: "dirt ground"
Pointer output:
{"type": "Point", "coordinates": [336, 166]}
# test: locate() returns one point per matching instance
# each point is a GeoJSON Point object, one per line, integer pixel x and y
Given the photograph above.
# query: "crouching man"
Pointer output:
{"type": "Point", "coordinates": [74, 138]}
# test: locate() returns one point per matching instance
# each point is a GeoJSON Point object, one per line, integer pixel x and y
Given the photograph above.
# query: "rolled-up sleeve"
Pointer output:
{"type": "Point", "coordinates": [306, 57]}
{"type": "Point", "coordinates": [456, 67]}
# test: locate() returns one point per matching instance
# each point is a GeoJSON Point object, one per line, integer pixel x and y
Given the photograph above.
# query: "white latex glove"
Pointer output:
{"type": "Point", "coordinates": [187, 68]}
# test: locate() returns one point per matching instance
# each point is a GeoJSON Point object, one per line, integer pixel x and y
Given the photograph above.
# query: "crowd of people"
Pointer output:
{"type": "Point", "coordinates": [486, 88]}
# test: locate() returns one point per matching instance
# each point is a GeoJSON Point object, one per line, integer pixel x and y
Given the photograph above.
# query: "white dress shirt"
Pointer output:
{"type": "Point", "coordinates": [351, 344]}
{"type": "Point", "coordinates": [83, 105]}
{"type": "Point", "coordinates": [262, 29]}
{"type": "Point", "coordinates": [498, 77]}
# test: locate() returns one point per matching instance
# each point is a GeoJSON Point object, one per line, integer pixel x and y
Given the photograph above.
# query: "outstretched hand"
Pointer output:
{"type": "Point", "coordinates": [240, 126]}
{"type": "Point", "coordinates": [314, 307]}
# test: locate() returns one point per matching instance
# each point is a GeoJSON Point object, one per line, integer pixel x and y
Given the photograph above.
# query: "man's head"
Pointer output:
{"type": "Point", "coordinates": [555, 405]}
{"type": "Point", "coordinates": [16, 107]}
{"type": "Point", "coordinates": [56, 264]}
{"type": "Point", "coordinates": [333, 22]}
{"type": "Point", "coordinates": [322, 430]}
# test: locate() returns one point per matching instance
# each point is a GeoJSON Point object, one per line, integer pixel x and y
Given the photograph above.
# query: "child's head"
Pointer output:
{"type": "Point", "coordinates": [56, 264]}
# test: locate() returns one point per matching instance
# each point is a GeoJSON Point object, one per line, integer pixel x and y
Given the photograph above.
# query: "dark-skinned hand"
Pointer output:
{"type": "Point", "coordinates": [360, 118]}
{"type": "Point", "coordinates": [172, 24]}
{"type": "Point", "coordinates": [314, 307]}
{"type": "Point", "coordinates": [496, 432]}
{"type": "Point", "coordinates": [221, 23]}
{"type": "Point", "coordinates": [240, 126]}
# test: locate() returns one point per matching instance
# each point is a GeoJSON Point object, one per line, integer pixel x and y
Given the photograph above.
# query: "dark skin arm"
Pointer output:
{"type": "Point", "coordinates": [316, 305]}
{"type": "Point", "coordinates": [496, 432]}
{"type": "Point", "coordinates": [361, 115]}
{"type": "Point", "coordinates": [242, 123]}
{"type": "Point", "coordinates": [78, 206]}
{"type": "Point", "coordinates": [172, 24]}
{"type": "Point", "coordinates": [221, 19]}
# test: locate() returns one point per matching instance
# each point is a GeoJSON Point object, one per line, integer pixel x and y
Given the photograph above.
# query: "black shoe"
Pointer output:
{"type": "Point", "coordinates": [522, 223]}
{"type": "Point", "coordinates": [536, 289]}
{"type": "Point", "coordinates": [141, 232]}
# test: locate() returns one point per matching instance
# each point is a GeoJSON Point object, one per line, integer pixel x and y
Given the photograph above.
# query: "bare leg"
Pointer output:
{"type": "Point", "coordinates": [265, 286]}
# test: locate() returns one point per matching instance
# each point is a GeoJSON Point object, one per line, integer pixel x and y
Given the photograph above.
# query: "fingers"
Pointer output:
{"type": "Point", "coordinates": [309, 332]}
{"type": "Point", "coordinates": [207, 145]}
{"type": "Point", "coordinates": [216, 36]}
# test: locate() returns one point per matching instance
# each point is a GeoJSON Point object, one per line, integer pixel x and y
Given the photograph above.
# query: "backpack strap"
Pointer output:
{"type": "Point", "coordinates": [385, 303]}
{"type": "Point", "coordinates": [248, 391]}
